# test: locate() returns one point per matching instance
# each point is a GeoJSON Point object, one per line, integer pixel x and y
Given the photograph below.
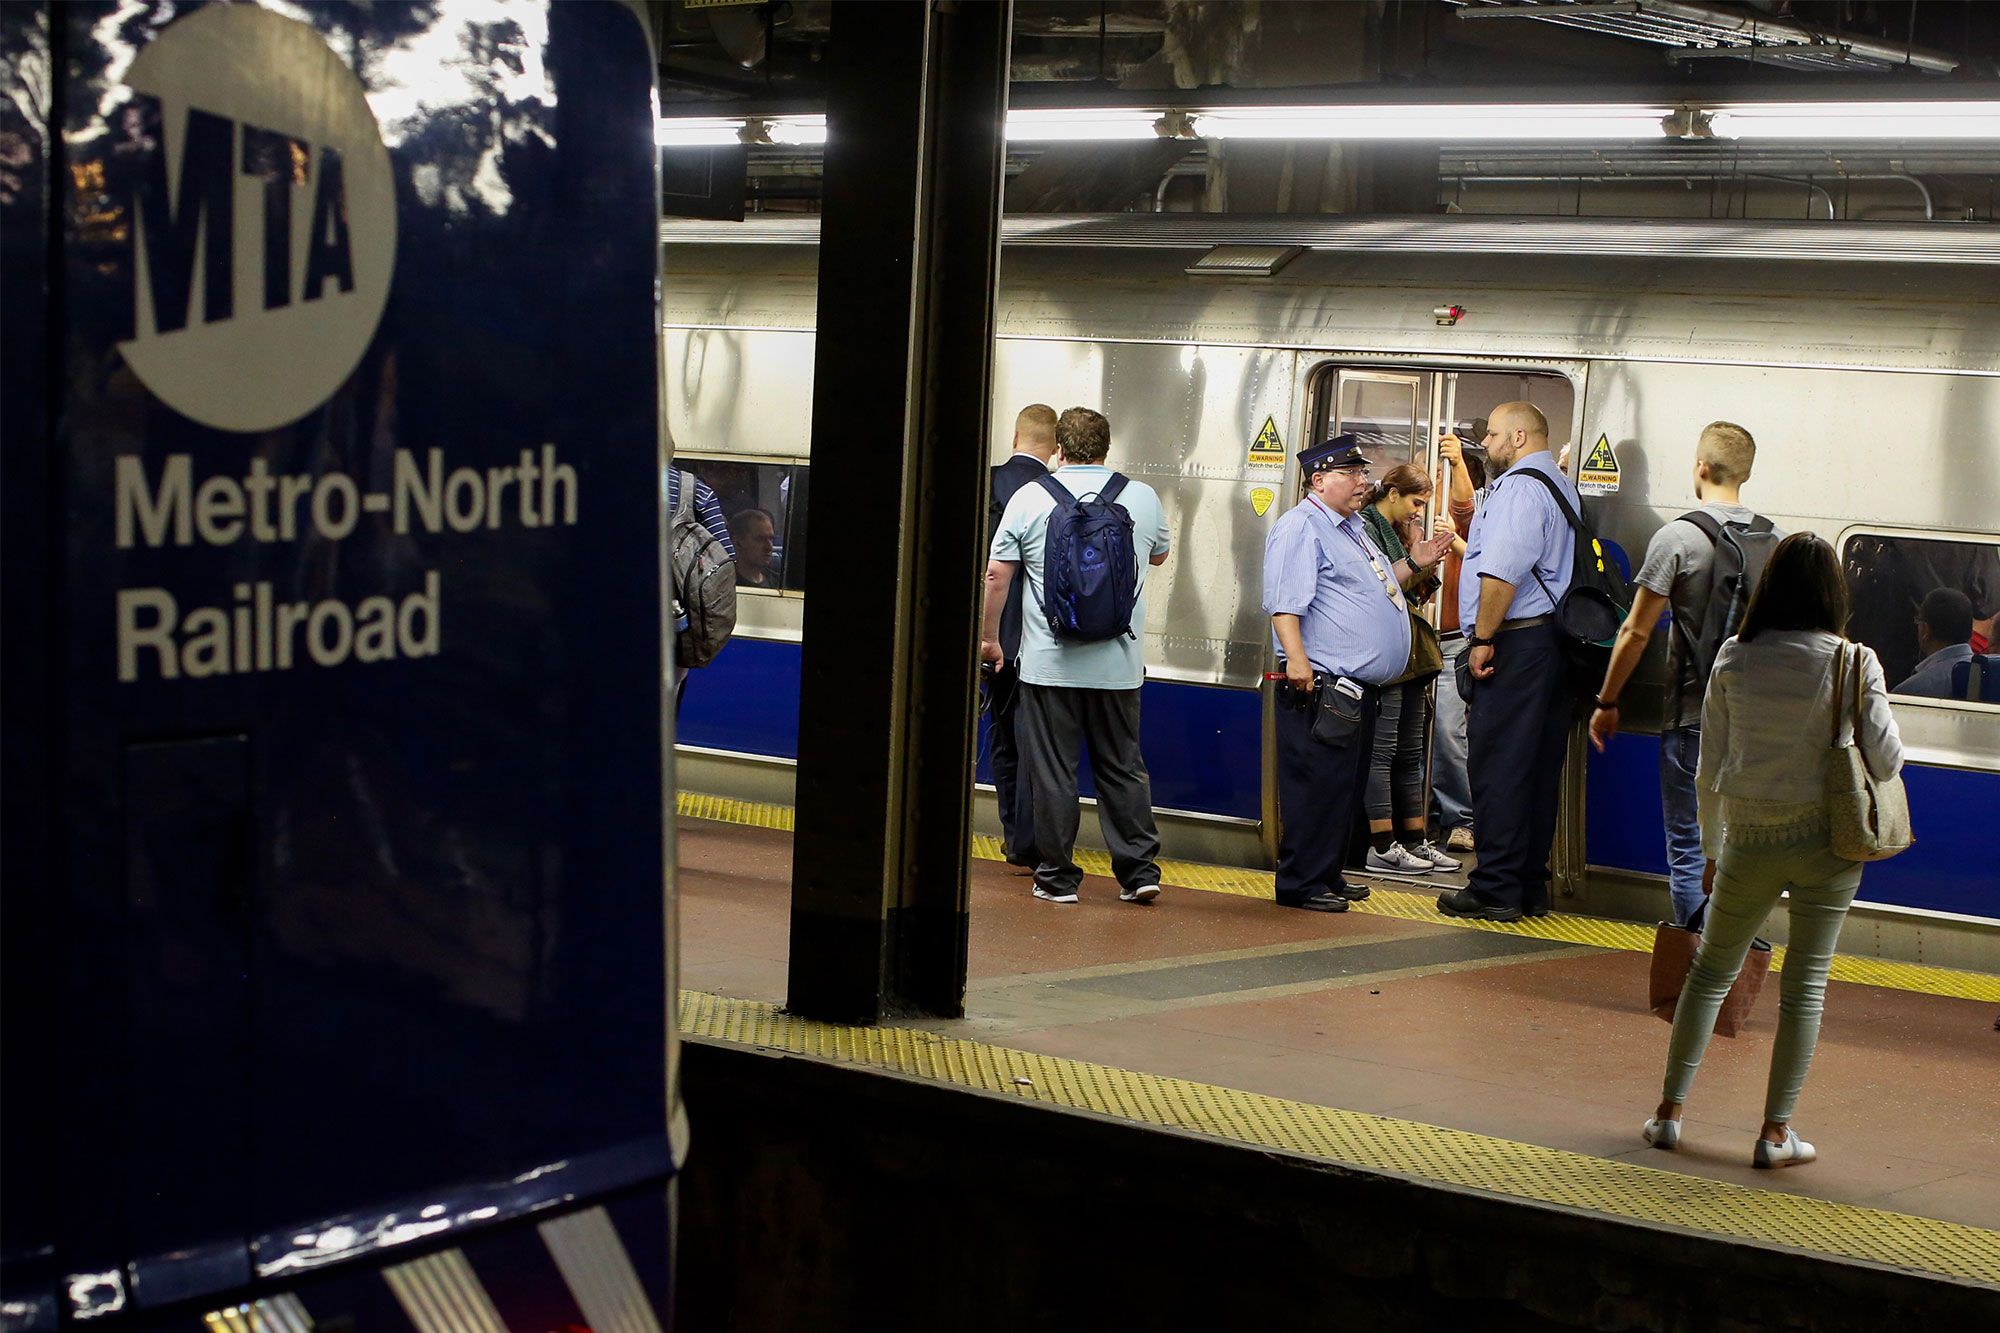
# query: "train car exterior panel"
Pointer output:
{"type": "Point", "coordinates": [1870, 386]}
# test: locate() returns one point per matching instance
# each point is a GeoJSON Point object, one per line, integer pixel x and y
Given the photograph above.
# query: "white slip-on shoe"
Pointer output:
{"type": "Point", "coordinates": [1794, 1151]}
{"type": "Point", "coordinates": [1662, 1133]}
{"type": "Point", "coordinates": [1048, 897]}
{"type": "Point", "coordinates": [1398, 861]}
{"type": "Point", "coordinates": [1428, 851]}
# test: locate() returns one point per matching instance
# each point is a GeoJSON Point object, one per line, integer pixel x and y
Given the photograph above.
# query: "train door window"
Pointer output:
{"type": "Point", "coordinates": [1388, 411]}
{"type": "Point", "coordinates": [1926, 605]}
{"type": "Point", "coordinates": [1470, 397]}
{"type": "Point", "coordinates": [763, 504]}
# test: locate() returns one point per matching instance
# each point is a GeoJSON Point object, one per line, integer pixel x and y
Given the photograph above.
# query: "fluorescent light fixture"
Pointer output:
{"type": "Point", "coordinates": [696, 132]}
{"type": "Point", "coordinates": [1079, 125]}
{"type": "Point", "coordinates": [1857, 120]}
{"type": "Point", "coordinates": [728, 131]}
{"type": "Point", "coordinates": [1571, 123]}
{"type": "Point", "coordinates": [1519, 122]}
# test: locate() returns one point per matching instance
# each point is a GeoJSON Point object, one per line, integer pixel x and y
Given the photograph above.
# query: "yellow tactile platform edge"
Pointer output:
{"type": "Point", "coordinates": [1631, 936]}
{"type": "Point", "coordinates": [1372, 1142]}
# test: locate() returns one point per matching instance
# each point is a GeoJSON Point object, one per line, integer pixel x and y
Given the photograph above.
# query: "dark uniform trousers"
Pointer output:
{"type": "Point", "coordinates": [1017, 815]}
{"type": "Point", "coordinates": [1052, 722]}
{"type": "Point", "coordinates": [1319, 795]}
{"type": "Point", "coordinates": [1517, 732]}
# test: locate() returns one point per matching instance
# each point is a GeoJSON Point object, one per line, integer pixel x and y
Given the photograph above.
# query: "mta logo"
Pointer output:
{"type": "Point", "coordinates": [198, 218]}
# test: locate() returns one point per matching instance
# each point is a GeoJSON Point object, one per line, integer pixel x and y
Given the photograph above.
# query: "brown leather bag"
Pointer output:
{"type": "Point", "coordinates": [1673, 955]}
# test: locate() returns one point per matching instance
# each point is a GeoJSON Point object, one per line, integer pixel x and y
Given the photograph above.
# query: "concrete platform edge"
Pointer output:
{"type": "Point", "coordinates": [811, 1179]}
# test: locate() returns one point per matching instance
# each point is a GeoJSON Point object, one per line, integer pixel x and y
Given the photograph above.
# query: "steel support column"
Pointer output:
{"type": "Point", "coordinates": [909, 250]}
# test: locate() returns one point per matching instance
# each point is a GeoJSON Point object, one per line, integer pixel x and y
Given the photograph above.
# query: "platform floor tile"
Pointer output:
{"type": "Point", "coordinates": [1630, 936]}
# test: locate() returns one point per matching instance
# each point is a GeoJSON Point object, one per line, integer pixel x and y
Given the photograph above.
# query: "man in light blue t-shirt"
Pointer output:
{"type": "Point", "coordinates": [1079, 693]}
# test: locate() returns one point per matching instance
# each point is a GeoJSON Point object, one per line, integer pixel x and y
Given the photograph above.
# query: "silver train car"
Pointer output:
{"type": "Point", "coordinates": [1864, 358]}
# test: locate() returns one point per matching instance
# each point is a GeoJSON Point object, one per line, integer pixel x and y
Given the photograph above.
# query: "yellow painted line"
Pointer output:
{"type": "Point", "coordinates": [1630, 936]}
{"type": "Point", "coordinates": [1372, 1142]}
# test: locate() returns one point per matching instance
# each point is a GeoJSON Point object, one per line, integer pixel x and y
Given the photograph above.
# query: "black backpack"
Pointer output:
{"type": "Point", "coordinates": [704, 583]}
{"type": "Point", "coordinates": [1090, 576]}
{"type": "Point", "coordinates": [1594, 605]}
{"type": "Point", "coordinates": [1741, 552]}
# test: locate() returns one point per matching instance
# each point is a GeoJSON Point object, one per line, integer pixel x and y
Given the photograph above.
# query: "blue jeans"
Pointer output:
{"type": "Point", "coordinates": [1451, 789]}
{"type": "Point", "coordinates": [1680, 755]}
{"type": "Point", "coordinates": [1748, 880]}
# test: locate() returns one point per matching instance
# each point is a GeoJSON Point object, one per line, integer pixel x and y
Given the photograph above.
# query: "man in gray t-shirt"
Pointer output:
{"type": "Point", "coordinates": [1678, 576]}
{"type": "Point", "coordinates": [1680, 566]}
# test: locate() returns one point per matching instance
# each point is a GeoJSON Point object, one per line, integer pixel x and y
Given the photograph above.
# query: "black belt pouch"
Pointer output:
{"type": "Point", "coordinates": [1336, 717]}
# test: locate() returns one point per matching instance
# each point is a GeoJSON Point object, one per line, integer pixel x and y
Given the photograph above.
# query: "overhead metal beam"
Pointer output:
{"type": "Point", "coordinates": [908, 264]}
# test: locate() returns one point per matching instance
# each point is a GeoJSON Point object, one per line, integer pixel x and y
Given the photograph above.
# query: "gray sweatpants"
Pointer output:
{"type": "Point", "coordinates": [1050, 724]}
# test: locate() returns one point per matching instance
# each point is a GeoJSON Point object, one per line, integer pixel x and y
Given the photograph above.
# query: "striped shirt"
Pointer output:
{"type": "Point", "coordinates": [707, 508]}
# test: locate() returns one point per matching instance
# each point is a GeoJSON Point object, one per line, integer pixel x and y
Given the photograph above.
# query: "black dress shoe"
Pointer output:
{"type": "Point", "coordinates": [1536, 909]}
{"type": "Point", "coordinates": [1463, 902]}
{"type": "Point", "coordinates": [1322, 901]}
{"type": "Point", "coordinates": [1354, 893]}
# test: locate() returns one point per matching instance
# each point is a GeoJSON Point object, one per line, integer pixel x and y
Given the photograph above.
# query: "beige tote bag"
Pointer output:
{"type": "Point", "coordinates": [1868, 817]}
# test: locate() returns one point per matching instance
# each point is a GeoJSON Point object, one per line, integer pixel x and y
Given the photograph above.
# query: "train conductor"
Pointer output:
{"type": "Point", "coordinates": [1342, 628]}
{"type": "Point", "coordinates": [1517, 563]}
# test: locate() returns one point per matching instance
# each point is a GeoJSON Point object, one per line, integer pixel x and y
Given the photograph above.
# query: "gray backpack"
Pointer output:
{"type": "Point", "coordinates": [704, 584]}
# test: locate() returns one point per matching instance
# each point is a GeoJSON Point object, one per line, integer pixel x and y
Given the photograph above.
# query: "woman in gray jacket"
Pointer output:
{"type": "Point", "coordinates": [1765, 729]}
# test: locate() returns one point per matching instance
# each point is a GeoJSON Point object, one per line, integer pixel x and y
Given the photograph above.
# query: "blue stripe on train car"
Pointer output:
{"type": "Point", "coordinates": [1201, 742]}
{"type": "Point", "coordinates": [746, 700]}
{"type": "Point", "coordinates": [1949, 870]}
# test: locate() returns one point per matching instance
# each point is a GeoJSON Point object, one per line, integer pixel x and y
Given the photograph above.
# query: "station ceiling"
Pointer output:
{"type": "Point", "coordinates": [733, 58]}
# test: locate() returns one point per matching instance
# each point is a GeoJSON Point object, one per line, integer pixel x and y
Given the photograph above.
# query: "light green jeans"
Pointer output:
{"type": "Point", "coordinates": [1748, 880]}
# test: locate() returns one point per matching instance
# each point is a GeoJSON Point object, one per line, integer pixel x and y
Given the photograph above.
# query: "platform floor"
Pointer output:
{"type": "Point", "coordinates": [1539, 1039]}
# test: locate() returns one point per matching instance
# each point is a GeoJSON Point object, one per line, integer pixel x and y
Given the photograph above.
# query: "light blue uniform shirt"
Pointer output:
{"type": "Point", "coordinates": [1317, 567]}
{"type": "Point", "coordinates": [1112, 664]}
{"type": "Point", "coordinates": [1932, 678]}
{"type": "Point", "coordinates": [1516, 534]}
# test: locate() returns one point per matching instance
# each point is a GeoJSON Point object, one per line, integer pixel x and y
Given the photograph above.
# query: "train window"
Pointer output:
{"type": "Point", "coordinates": [1901, 584]}
{"type": "Point", "coordinates": [764, 505]}
{"type": "Point", "coordinates": [1387, 412]}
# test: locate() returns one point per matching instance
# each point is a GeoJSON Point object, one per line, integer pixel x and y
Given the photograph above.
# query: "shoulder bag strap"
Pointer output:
{"type": "Point", "coordinates": [1857, 704]}
{"type": "Point", "coordinates": [1839, 696]}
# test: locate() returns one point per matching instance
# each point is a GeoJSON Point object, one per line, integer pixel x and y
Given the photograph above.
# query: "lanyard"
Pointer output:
{"type": "Point", "coordinates": [1389, 587]}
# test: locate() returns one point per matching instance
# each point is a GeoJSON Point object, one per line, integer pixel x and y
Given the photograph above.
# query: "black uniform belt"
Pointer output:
{"type": "Point", "coordinates": [1526, 622]}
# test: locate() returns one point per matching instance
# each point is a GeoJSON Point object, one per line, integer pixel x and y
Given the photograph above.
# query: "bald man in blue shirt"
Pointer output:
{"type": "Point", "coordinates": [1340, 623]}
{"type": "Point", "coordinates": [1517, 566]}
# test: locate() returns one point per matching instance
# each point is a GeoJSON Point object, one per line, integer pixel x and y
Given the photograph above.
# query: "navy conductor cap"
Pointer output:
{"type": "Point", "coordinates": [1338, 452]}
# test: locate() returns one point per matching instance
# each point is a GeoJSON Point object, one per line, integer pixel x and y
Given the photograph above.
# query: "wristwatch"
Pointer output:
{"type": "Point", "coordinates": [1474, 641]}
{"type": "Point", "coordinates": [1608, 705]}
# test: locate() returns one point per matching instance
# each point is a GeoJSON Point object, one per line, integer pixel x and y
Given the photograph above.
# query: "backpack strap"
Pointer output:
{"type": "Point", "coordinates": [1576, 523]}
{"type": "Point", "coordinates": [1113, 488]}
{"type": "Point", "coordinates": [1710, 526]}
{"type": "Point", "coordinates": [1060, 492]}
{"type": "Point", "coordinates": [683, 494]}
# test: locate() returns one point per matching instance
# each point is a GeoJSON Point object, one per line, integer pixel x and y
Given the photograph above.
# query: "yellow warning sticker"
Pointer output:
{"type": "Point", "coordinates": [1599, 473]}
{"type": "Point", "coordinates": [1261, 498]}
{"type": "Point", "coordinates": [1267, 450]}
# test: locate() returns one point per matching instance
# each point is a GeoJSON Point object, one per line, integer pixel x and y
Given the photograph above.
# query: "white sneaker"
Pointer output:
{"type": "Point", "coordinates": [1145, 893]}
{"type": "Point", "coordinates": [1398, 861]}
{"type": "Point", "coordinates": [1428, 851]}
{"type": "Point", "coordinates": [1459, 840]}
{"type": "Point", "coordinates": [1794, 1151]}
{"type": "Point", "coordinates": [1048, 897]}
